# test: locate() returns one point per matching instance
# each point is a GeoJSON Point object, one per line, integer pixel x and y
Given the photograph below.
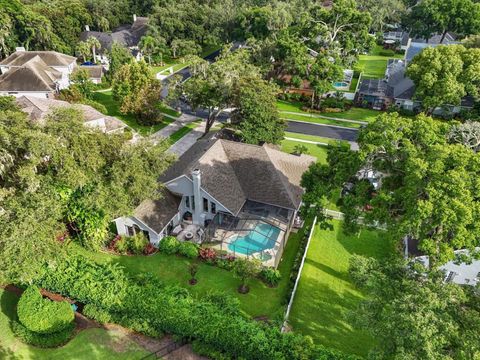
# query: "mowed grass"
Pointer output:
{"type": "Point", "coordinates": [173, 270]}
{"type": "Point", "coordinates": [325, 294]}
{"type": "Point", "coordinates": [374, 65]}
{"type": "Point", "coordinates": [312, 138]}
{"type": "Point", "coordinates": [354, 113]}
{"type": "Point", "coordinates": [319, 151]}
{"type": "Point", "coordinates": [180, 133]}
{"type": "Point", "coordinates": [106, 98]}
{"type": "Point", "coordinates": [87, 344]}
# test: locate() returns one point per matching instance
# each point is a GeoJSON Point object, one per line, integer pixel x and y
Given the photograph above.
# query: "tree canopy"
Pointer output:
{"type": "Point", "coordinates": [429, 184]}
{"type": "Point", "coordinates": [45, 169]}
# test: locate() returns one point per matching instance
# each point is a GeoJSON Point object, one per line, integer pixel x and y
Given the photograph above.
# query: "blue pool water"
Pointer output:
{"type": "Point", "coordinates": [340, 84]}
{"type": "Point", "coordinates": [263, 237]}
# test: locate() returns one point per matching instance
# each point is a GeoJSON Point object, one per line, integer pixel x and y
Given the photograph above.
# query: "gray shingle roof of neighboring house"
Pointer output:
{"type": "Point", "coordinates": [126, 35]}
{"type": "Point", "coordinates": [373, 87]}
{"type": "Point", "coordinates": [50, 58]}
{"type": "Point", "coordinates": [32, 75]}
{"type": "Point", "coordinates": [156, 214]}
{"type": "Point", "coordinates": [38, 109]}
{"type": "Point", "coordinates": [449, 39]}
{"type": "Point", "coordinates": [234, 172]}
{"type": "Point", "coordinates": [94, 71]}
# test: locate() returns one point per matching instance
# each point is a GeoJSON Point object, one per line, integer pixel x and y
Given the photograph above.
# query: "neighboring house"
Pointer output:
{"type": "Point", "coordinates": [456, 271]}
{"type": "Point", "coordinates": [126, 35]}
{"type": "Point", "coordinates": [35, 73]}
{"type": "Point", "coordinates": [38, 109]}
{"type": "Point", "coordinates": [230, 192]}
{"type": "Point", "coordinates": [95, 72]}
{"type": "Point", "coordinates": [397, 38]}
{"type": "Point", "coordinates": [397, 89]}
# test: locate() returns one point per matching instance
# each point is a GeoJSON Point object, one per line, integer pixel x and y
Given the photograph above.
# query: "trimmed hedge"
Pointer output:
{"type": "Point", "coordinates": [172, 310]}
{"type": "Point", "coordinates": [188, 249]}
{"type": "Point", "coordinates": [43, 340]}
{"type": "Point", "coordinates": [41, 315]}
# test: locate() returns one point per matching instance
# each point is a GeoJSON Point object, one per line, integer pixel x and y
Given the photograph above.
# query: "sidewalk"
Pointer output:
{"type": "Point", "coordinates": [186, 142]}
{"type": "Point", "coordinates": [171, 128]}
{"type": "Point", "coordinates": [313, 115]}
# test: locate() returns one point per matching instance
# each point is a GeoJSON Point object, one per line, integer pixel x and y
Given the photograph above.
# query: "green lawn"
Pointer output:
{"type": "Point", "coordinates": [318, 120]}
{"type": "Point", "coordinates": [319, 151]}
{"type": "Point", "coordinates": [373, 65]}
{"type": "Point", "coordinates": [173, 270]}
{"type": "Point", "coordinates": [354, 113]}
{"type": "Point", "coordinates": [325, 295]}
{"type": "Point", "coordinates": [105, 98]}
{"type": "Point", "coordinates": [88, 344]}
{"type": "Point", "coordinates": [311, 138]}
{"type": "Point", "coordinates": [168, 110]}
{"type": "Point", "coordinates": [177, 135]}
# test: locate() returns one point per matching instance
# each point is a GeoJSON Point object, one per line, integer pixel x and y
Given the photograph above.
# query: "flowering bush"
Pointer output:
{"type": "Point", "coordinates": [149, 249]}
{"type": "Point", "coordinates": [208, 254]}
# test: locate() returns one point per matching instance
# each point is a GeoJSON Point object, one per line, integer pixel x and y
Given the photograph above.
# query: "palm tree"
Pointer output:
{"type": "Point", "coordinates": [84, 49]}
{"type": "Point", "coordinates": [94, 45]}
{"type": "Point", "coordinates": [147, 45]}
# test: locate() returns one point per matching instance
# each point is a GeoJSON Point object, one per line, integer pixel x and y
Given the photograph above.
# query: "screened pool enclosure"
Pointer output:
{"type": "Point", "coordinates": [260, 235]}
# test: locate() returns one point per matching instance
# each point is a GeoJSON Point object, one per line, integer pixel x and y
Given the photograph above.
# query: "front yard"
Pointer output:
{"type": "Point", "coordinates": [325, 295]}
{"type": "Point", "coordinates": [105, 98]}
{"type": "Point", "coordinates": [354, 113]}
{"type": "Point", "coordinates": [87, 344]}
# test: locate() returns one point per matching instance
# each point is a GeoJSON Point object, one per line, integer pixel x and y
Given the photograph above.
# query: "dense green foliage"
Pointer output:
{"type": "Point", "coordinates": [429, 186]}
{"type": "Point", "coordinates": [138, 92]}
{"type": "Point", "coordinates": [416, 315]}
{"type": "Point", "coordinates": [63, 176]}
{"type": "Point", "coordinates": [169, 245]}
{"type": "Point", "coordinates": [43, 316]}
{"type": "Point", "coordinates": [172, 310]}
{"type": "Point", "coordinates": [42, 340]}
{"type": "Point", "coordinates": [445, 74]}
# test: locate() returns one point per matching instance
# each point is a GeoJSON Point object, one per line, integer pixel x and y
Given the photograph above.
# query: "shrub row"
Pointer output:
{"type": "Point", "coordinates": [136, 244]}
{"type": "Point", "coordinates": [172, 310]}
{"type": "Point", "coordinates": [170, 245]}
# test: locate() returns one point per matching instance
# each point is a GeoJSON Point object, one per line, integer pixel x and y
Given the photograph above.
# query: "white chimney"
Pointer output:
{"type": "Point", "coordinates": [87, 28]}
{"type": "Point", "coordinates": [134, 17]}
{"type": "Point", "coordinates": [197, 194]}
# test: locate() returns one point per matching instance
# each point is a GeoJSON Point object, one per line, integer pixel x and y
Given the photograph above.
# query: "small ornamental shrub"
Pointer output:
{"type": "Point", "coordinates": [121, 245]}
{"type": "Point", "coordinates": [208, 255]}
{"type": "Point", "coordinates": [169, 245]}
{"type": "Point", "coordinates": [136, 244]}
{"type": "Point", "coordinates": [386, 53]}
{"type": "Point", "coordinates": [149, 249]}
{"type": "Point", "coordinates": [245, 270]}
{"type": "Point", "coordinates": [226, 262]}
{"type": "Point", "coordinates": [270, 276]}
{"type": "Point", "coordinates": [188, 249]}
{"type": "Point", "coordinates": [41, 315]}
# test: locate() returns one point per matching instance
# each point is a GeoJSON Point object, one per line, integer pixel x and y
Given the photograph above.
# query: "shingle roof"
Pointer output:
{"type": "Point", "coordinates": [157, 213]}
{"type": "Point", "coordinates": [126, 35]}
{"type": "Point", "coordinates": [234, 172]}
{"type": "Point", "coordinates": [50, 58]}
{"type": "Point", "coordinates": [37, 109]}
{"type": "Point", "coordinates": [33, 75]}
{"type": "Point", "coordinates": [94, 71]}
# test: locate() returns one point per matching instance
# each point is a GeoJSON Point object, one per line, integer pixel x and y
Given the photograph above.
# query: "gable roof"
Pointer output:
{"type": "Point", "coordinates": [234, 172]}
{"type": "Point", "coordinates": [50, 58]}
{"type": "Point", "coordinates": [33, 75]}
{"type": "Point", "coordinates": [156, 214]}
{"type": "Point", "coordinates": [94, 71]}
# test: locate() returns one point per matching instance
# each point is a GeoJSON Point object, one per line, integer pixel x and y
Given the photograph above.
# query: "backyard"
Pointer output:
{"type": "Point", "coordinates": [87, 344]}
{"type": "Point", "coordinates": [317, 150]}
{"type": "Point", "coordinates": [325, 295]}
{"type": "Point", "coordinates": [173, 270]}
{"type": "Point", "coordinates": [374, 65]}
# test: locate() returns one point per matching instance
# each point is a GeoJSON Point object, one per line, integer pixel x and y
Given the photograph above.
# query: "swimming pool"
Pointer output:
{"type": "Point", "coordinates": [262, 237]}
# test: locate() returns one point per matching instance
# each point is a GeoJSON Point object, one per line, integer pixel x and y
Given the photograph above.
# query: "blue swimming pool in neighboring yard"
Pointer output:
{"type": "Point", "coordinates": [262, 237]}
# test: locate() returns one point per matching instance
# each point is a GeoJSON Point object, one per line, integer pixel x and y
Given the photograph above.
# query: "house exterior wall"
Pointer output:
{"type": "Point", "coordinates": [122, 223]}
{"type": "Point", "coordinates": [183, 186]}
